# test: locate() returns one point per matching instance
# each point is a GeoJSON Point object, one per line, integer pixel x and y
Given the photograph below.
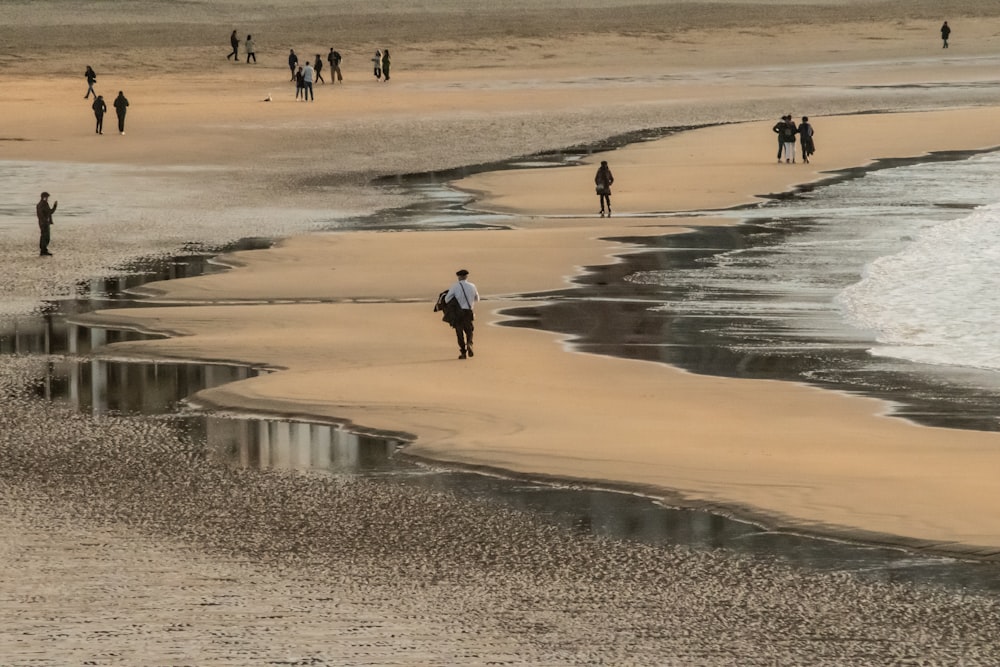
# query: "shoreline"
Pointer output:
{"type": "Point", "coordinates": [252, 399]}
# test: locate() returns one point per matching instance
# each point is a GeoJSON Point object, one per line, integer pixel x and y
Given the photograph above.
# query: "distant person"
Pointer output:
{"type": "Point", "coordinates": [788, 138]}
{"type": "Point", "coordinates": [385, 65]}
{"type": "Point", "coordinates": [293, 63]}
{"type": "Point", "coordinates": [234, 42]}
{"type": "Point", "coordinates": [603, 180]}
{"type": "Point", "coordinates": [299, 84]}
{"type": "Point", "coordinates": [777, 132]}
{"type": "Point", "coordinates": [251, 49]}
{"type": "Point", "coordinates": [377, 61]}
{"type": "Point", "coordinates": [307, 82]}
{"type": "Point", "coordinates": [318, 67]}
{"type": "Point", "coordinates": [467, 296]}
{"type": "Point", "coordinates": [334, 59]}
{"type": "Point", "coordinates": [100, 108]}
{"type": "Point", "coordinates": [91, 80]}
{"type": "Point", "coordinates": [945, 33]}
{"type": "Point", "coordinates": [121, 107]}
{"type": "Point", "coordinates": [44, 212]}
{"type": "Point", "coordinates": [806, 135]}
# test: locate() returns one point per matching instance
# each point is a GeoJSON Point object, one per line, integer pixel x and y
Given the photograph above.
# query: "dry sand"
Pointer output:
{"type": "Point", "coordinates": [472, 84]}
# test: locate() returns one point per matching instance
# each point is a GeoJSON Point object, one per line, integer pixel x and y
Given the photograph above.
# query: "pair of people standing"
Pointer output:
{"type": "Point", "coordinates": [100, 108]}
{"type": "Point", "coordinates": [381, 64]}
{"type": "Point", "coordinates": [304, 83]}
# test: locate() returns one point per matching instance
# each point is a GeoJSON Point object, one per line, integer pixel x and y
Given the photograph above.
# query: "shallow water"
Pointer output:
{"type": "Point", "coordinates": [160, 391]}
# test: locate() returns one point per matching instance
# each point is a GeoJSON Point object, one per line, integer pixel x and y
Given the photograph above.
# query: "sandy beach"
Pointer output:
{"type": "Point", "coordinates": [343, 317]}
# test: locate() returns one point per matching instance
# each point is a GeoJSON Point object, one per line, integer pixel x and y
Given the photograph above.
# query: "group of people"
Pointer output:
{"type": "Point", "coordinates": [100, 107]}
{"type": "Point", "coordinates": [249, 47]}
{"type": "Point", "coordinates": [305, 75]}
{"type": "Point", "coordinates": [787, 130]}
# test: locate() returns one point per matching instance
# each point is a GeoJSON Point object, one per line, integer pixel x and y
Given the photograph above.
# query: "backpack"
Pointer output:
{"type": "Point", "coordinates": [450, 310]}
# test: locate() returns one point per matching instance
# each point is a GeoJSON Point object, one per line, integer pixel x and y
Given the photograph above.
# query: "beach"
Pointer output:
{"type": "Point", "coordinates": [182, 560]}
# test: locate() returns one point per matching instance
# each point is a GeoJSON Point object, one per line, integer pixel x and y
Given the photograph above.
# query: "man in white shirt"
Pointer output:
{"type": "Point", "coordinates": [307, 82]}
{"type": "Point", "coordinates": [467, 296]}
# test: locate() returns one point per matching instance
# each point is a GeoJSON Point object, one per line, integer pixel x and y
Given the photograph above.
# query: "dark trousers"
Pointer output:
{"type": "Point", "coordinates": [605, 199]}
{"type": "Point", "coordinates": [43, 239]}
{"type": "Point", "coordinates": [121, 122]}
{"type": "Point", "coordinates": [100, 122]}
{"type": "Point", "coordinates": [234, 53]}
{"type": "Point", "coordinates": [463, 330]}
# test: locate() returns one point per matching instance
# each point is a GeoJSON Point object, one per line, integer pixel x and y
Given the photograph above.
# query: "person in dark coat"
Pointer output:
{"type": "Point", "coordinates": [293, 63]}
{"type": "Point", "coordinates": [806, 139]}
{"type": "Point", "coordinates": [234, 41]}
{"type": "Point", "coordinates": [91, 80]}
{"type": "Point", "coordinates": [44, 212]}
{"type": "Point", "coordinates": [945, 33]}
{"type": "Point", "coordinates": [121, 106]}
{"type": "Point", "coordinates": [100, 108]}
{"type": "Point", "coordinates": [603, 180]}
{"type": "Point", "coordinates": [318, 69]}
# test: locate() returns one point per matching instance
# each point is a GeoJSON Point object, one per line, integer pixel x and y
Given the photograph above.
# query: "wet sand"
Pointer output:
{"type": "Point", "coordinates": [101, 512]}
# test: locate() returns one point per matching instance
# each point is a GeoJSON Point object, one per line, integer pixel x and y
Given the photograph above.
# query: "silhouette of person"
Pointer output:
{"type": "Point", "coordinates": [334, 59]}
{"type": "Point", "coordinates": [100, 108]}
{"type": "Point", "coordinates": [603, 180]}
{"type": "Point", "coordinates": [293, 62]}
{"type": "Point", "coordinates": [44, 212]}
{"type": "Point", "coordinates": [945, 33]}
{"type": "Point", "coordinates": [377, 61]}
{"type": "Point", "coordinates": [806, 136]}
{"type": "Point", "coordinates": [385, 65]}
{"type": "Point", "coordinates": [121, 107]}
{"type": "Point", "coordinates": [234, 42]}
{"type": "Point", "coordinates": [318, 68]}
{"type": "Point", "coordinates": [91, 80]}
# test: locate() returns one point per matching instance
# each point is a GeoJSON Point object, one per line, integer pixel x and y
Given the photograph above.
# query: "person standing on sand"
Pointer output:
{"type": "Point", "coordinates": [806, 133]}
{"type": "Point", "coordinates": [377, 61]}
{"type": "Point", "coordinates": [318, 67]}
{"type": "Point", "coordinates": [385, 65]}
{"type": "Point", "coordinates": [293, 62]}
{"type": "Point", "coordinates": [945, 33]}
{"type": "Point", "coordinates": [121, 107]}
{"type": "Point", "coordinates": [100, 108]}
{"type": "Point", "coordinates": [44, 212]}
{"type": "Point", "coordinates": [307, 83]}
{"type": "Point", "coordinates": [251, 49]}
{"type": "Point", "coordinates": [334, 59]}
{"type": "Point", "coordinates": [91, 80]}
{"type": "Point", "coordinates": [299, 84]}
{"type": "Point", "coordinates": [467, 296]}
{"type": "Point", "coordinates": [234, 42]}
{"type": "Point", "coordinates": [603, 181]}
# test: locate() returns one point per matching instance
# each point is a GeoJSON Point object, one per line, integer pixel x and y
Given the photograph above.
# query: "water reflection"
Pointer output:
{"type": "Point", "coordinates": [268, 444]}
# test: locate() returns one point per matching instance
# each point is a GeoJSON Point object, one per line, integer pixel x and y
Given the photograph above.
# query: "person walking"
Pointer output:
{"type": "Point", "coordinates": [334, 59]}
{"type": "Point", "coordinates": [945, 33]}
{"type": "Point", "coordinates": [44, 212]}
{"type": "Point", "coordinates": [318, 67]}
{"type": "Point", "coordinates": [779, 131]}
{"type": "Point", "coordinates": [234, 42]}
{"type": "Point", "coordinates": [603, 180]}
{"type": "Point", "coordinates": [91, 80]}
{"type": "Point", "coordinates": [806, 135]}
{"type": "Point", "coordinates": [121, 107]}
{"type": "Point", "coordinates": [307, 82]}
{"type": "Point", "coordinates": [377, 61]}
{"type": "Point", "coordinates": [293, 62]}
{"type": "Point", "coordinates": [788, 138]}
{"type": "Point", "coordinates": [467, 296]}
{"type": "Point", "coordinates": [100, 108]}
{"type": "Point", "coordinates": [385, 65]}
{"type": "Point", "coordinates": [251, 49]}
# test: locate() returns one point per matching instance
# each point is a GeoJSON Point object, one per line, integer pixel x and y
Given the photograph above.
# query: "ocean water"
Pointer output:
{"type": "Point", "coordinates": [884, 281]}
